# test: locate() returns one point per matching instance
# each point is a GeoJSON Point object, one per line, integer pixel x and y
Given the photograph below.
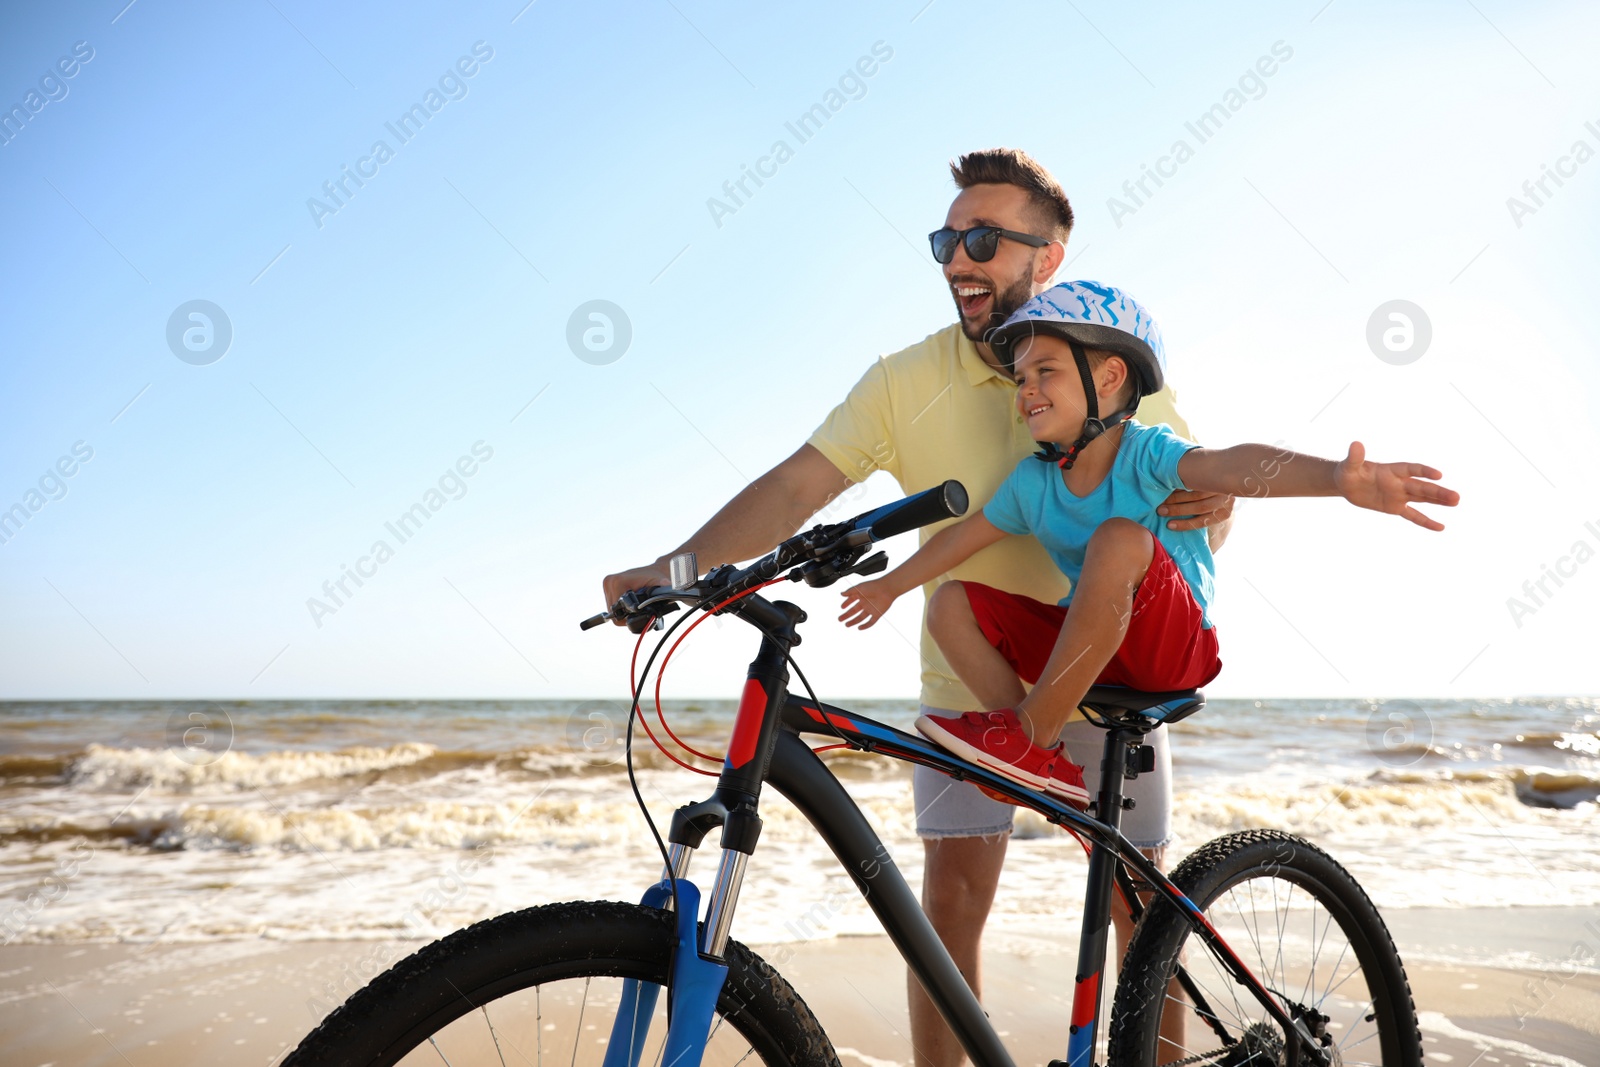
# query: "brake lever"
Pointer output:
{"type": "Point", "coordinates": [876, 563]}
{"type": "Point", "coordinates": [823, 573]}
{"type": "Point", "coordinates": [649, 620]}
{"type": "Point", "coordinates": [627, 608]}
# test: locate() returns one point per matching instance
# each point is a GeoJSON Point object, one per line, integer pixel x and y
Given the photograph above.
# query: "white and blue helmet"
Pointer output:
{"type": "Point", "coordinates": [1095, 316]}
{"type": "Point", "coordinates": [1089, 315]}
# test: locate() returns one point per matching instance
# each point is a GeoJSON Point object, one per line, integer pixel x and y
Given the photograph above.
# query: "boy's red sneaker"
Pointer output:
{"type": "Point", "coordinates": [996, 741]}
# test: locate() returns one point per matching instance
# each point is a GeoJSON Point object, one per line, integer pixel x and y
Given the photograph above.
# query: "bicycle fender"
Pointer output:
{"type": "Point", "coordinates": [638, 1004]}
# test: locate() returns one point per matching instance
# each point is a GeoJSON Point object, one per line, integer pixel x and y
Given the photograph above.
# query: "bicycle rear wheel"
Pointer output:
{"type": "Point", "coordinates": [543, 986]}
{"type": "Point", "coordinates": [1308, 933]}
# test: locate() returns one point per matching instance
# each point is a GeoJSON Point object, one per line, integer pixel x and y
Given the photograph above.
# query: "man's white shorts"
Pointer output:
{"type": "Point", "coordinates": [948, 808]}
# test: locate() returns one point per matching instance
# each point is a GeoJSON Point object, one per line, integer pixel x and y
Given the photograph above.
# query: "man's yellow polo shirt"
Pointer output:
{"type": "Point", "coordinates": [935, 411]}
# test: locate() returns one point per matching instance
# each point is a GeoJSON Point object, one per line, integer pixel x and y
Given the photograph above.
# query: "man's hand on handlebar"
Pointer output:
{"type": "Point", "coordinates": [638, 578]}
{"type": "Point", "coordinates": [819, 556]}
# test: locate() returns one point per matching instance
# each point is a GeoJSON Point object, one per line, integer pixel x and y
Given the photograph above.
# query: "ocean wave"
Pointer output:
{"type": "Point", "coordinates": [1561, 746]}
{"type": "Point", "coordinates": [1383, 804]}
{"type": "Point", "coordinates": [579, 815]}
{"type": "Point", "coordinates": [572, 818]}
{"type": "Point", "coordinates": [102, 768]}
{"type": "Point", "coordinates": [30, 770]}
{"type": "Point", "coordinates": [1563, 790]}
{"type": "Point", "coordinates": [427, 825]}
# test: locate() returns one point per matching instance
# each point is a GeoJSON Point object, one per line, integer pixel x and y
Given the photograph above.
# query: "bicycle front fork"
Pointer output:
{"type": "Point", "coordinates": [697, 973]}
{"type": "Point", "coordinates": [724, 893]}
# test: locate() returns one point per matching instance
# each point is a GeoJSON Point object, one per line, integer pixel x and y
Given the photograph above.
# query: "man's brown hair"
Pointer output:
{"type": "Point", "coordinates": [1013, 166]}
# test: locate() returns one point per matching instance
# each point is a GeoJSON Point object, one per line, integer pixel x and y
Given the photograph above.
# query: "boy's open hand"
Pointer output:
{"type": "Point", "coordinates": [1391, 487]}
{"type": "Point", "coordinates": [866, 603]}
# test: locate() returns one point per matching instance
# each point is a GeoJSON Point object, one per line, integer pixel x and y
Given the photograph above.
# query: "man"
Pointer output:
{"type": "Point", "coordinates": [943, 408]}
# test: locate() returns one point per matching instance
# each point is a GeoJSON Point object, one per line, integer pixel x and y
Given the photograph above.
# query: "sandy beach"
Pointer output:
{"type": "Point", "coordinates": [163, 910]}
{"type": "Point", "coordinates": [251, 1001]}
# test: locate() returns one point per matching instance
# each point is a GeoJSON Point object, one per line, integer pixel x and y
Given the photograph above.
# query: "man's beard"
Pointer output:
{"type": "Point", "coordinates": [1002, 304]}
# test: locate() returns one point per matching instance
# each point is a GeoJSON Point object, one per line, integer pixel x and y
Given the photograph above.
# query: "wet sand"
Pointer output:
{"type": "Point", "coordinates": [250, 1001]}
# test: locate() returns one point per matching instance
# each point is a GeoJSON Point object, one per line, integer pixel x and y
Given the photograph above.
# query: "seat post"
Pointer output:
{"type": "Point", "coordinates": [1092, 941]}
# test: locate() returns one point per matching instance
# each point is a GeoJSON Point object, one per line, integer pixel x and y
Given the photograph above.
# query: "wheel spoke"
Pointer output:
{"type": "Point", "coordinates": [1228, 985]}
{"type": "Point", "coordinates": [1316, 952]}
{"type": "Point", "coordinates": [1282, 916]}
{"type": "Point", "coordinates": [633, 1032]}
{"type": "Point", "coordinates": [1363, 1041]}
{"type": "Point", "coordinates": [1253, 894]}
{"type": "Point", "coordinates": [493, 1036]}
{"type": "Point", "coordinates": [578, 1030]}
{"type": "Point", "coordinates": [490, 979]}
{"type": "Point", "coordinates": [1255, 937]}
{"type": "Point", "coordinates": [1189, 1055]}
{"type": "Point", "coordinates": [1322, 998]}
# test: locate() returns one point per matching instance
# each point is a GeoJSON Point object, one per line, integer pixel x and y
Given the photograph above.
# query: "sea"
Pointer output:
{"type": "Point", "coordinates": [170, 822]}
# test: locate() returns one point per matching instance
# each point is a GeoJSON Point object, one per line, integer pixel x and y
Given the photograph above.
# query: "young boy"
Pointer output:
{"type": "Point", "coordinates": [1140, 592]}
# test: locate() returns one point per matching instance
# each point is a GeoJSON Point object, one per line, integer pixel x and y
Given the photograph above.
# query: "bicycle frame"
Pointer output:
{"type": "Point", "coordinates": [766, 747]}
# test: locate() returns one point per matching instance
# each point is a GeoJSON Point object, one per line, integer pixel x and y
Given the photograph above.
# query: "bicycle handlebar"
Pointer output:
{"type": "Point", "coordinates": [942, 502]}
{"type": "Point", "coordinates": [827, 553]}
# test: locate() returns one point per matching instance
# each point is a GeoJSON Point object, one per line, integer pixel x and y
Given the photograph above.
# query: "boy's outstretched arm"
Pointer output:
{"type": "Point", "coordinates": [866, 603]}
{"type": "Point", "coordinates": [1262, 470]}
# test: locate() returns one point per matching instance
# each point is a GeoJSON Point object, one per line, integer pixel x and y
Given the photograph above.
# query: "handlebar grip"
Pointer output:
{"type": "Point", "coordinates": [942, 502]}
{"type": "Point", "coordinates": [628, 604]}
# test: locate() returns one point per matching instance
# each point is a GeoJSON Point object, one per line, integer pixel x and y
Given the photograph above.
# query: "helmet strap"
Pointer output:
{"type": "Point", "coordinates": [1093, 425]}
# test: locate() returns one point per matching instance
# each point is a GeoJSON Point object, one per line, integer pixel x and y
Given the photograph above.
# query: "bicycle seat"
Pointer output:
{"type": "Point", "coordinates": [1113, 705]}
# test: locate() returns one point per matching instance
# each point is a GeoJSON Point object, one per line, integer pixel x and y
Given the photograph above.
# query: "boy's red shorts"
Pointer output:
{"type": "Point", "coordinates": [1165, 648]}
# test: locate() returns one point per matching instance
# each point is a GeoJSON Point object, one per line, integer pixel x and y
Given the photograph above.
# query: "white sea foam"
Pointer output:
{"type": "Point", "coordinates": [105, 768]}
{"type": "Point", "coordinates": [402, 825]}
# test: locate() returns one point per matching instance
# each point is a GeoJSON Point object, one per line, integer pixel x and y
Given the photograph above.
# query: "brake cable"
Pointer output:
{"type": "Point", "coordinates": [638, 683]}
{"type": "Point", "coordinates": [662, 671]}
{"type": "Point", "coordinates": [644, 720]}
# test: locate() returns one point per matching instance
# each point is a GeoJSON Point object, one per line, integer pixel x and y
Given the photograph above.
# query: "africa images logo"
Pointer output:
{"type": "Point", "coordinates": [199, 332]}
{"type": "Point", "coordinates": [452, 85]}
{"type": "Point", "coordinates": [852, 85]}
{"type": "Point", "coordinates": [1251, 85]}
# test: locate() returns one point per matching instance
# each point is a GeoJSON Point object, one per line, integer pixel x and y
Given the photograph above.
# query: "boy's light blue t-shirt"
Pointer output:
{"type": "Point", "coordinates": [1035, 500]}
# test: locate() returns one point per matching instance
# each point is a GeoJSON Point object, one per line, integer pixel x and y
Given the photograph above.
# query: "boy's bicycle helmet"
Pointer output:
{"type": "Point", "coordinates": [1089, 315]}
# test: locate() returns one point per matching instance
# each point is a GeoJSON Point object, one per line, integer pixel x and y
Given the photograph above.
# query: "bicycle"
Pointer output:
{"type": "Point", "coordinates": [1328, 991]}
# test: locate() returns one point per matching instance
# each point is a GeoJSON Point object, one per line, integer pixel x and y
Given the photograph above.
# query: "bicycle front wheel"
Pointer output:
{"type": "Point", "coordinates": [544, 986]}
{"type": "Point", "coordinates": [1308, 933]}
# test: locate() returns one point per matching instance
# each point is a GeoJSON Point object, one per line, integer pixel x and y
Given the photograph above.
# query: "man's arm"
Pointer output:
{"type": "Point", "coordinates": [763, 513]}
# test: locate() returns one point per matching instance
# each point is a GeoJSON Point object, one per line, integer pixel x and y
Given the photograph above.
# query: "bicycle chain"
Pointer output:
{"type": "Point", "coordinates": [1213, 1056]}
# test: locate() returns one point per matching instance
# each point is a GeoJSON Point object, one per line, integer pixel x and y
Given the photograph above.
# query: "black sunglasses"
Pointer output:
{"type": "Point", "coordinates": [982, 242]}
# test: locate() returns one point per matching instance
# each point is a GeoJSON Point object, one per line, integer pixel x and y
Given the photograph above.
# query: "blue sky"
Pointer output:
{"type": "Point", "coordinates": [372, 348]}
